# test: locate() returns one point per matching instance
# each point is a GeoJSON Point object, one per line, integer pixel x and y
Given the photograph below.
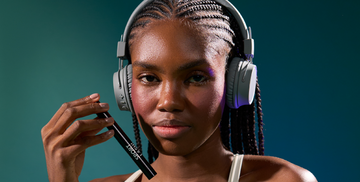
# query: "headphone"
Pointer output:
{"type": "Point", "coordinates": [240, 78]}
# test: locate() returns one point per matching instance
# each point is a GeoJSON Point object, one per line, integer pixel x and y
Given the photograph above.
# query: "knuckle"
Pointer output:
{"type": "Point", "coordinates": [83, 100]}
{"type": "Point", "coordinates": [93, 106]}
{"type": "Point", "coordinates": [70, 111]}
{"type": "Point", "coordinates": [100, 121]}
{"type": "Point", "coordinates": [45, 140]}
{"type": "Point", "coordinates": [104, 136]}
{"type": "Point", "coordinates": [43, 132]}
{"type": "Point", "coordinates": [65, 105]}
{"type": "Point", "coordinates": [86, 99]}
{"type": "Point", "coordinates": [61, 156]}
{"type": "Point", "coordinates": [46, 137]}
{"type": "Point", "coordinates": [79, 124]}
{"type": "Point", "coordinates": [53, 147]}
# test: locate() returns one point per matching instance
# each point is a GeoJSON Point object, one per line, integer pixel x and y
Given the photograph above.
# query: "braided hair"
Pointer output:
{"type": "Point", "coordinates": [237, 126]}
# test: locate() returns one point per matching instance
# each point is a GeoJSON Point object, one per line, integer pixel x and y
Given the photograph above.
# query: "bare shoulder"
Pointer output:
{"type": "Point", "coordinates": [116, 178]}
{"type": "Point", "coordinates": [266, 168]}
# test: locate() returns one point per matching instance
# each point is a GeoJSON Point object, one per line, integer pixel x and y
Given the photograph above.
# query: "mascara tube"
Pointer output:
{"type": "Point", "coordinates": [130, 148]}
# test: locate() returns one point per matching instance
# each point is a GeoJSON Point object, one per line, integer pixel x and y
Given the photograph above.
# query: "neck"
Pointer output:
{"type": "Point", "coordinates": [209, 161]}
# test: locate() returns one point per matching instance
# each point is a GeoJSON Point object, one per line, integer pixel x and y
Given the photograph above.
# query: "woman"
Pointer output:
{"type": "Point", "coordinates": [179, 52]}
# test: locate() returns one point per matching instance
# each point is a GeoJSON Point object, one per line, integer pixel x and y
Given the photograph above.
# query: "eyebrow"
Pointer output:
{"type": "Point", "coordinates": [180, 68]}
{"type": "Point", "coordinates": [192, 64]}
{"type": "Point", "coordinates": [147, 66]}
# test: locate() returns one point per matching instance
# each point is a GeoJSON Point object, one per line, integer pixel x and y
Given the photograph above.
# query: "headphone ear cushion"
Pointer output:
{"type": "Point", "coordinates": [240, 83]}
{"type": "Point", "coordinates": [230, 82]}
{"type": "Point", "coordinates": [122, 80]}
{"type": "Point", "coordinates": [129, 83]}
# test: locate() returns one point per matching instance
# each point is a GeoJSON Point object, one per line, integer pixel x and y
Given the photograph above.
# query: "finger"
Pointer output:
{"type": "Point", "coordinates": [84, 128]}
{"type": "Point", "coordinates": [93, 132]}
{"type": "Point", "coordinates": [85, 100]}
{"type": "Point", "coordinates": [72, 113]}
{"type": "Point", "coordinates": [85, 142]}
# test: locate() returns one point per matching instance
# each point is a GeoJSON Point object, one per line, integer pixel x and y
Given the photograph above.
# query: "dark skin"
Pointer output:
{"type": "Point", "coordinates": [178, 97]}
{"type": "Point", "coordinates": [65, 141]}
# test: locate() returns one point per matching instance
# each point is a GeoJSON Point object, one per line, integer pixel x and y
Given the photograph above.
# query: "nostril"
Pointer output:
{"type": "Point", "coordinates": [162, 110]}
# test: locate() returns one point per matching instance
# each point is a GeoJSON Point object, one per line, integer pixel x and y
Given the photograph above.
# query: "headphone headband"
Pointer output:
{"type": "Point", "coordinates": [240, 79]}
{"type": "Point", "coordinates": [248, 41]}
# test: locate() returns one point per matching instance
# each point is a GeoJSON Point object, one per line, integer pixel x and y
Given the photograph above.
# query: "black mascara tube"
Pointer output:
{"type": "Point", "coordinates": [130, 148]}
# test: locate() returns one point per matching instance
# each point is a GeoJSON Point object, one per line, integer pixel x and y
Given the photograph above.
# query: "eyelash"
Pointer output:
{"type": "Point", "coordinates": [191, 80]}
{"type": "Point", "coordinates": [144, 79]}
{"type": "Point", "coordinates": [203, 79]}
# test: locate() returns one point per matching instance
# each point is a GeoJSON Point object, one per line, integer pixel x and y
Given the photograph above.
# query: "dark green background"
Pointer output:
{"type": "Point", "coordinates": [306, 52]}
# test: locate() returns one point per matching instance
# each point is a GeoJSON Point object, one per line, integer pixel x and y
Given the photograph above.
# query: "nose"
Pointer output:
{"type": "Point", "coordinates": [171, 98]}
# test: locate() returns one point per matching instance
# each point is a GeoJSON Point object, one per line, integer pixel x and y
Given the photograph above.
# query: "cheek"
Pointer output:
{"type": "Point", "coordinates": [142, 99]}
{"type": "Point", "coordinates": [211, 99]}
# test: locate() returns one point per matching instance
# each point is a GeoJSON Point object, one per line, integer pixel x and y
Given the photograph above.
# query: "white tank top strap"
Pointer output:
{"type": "Point", "coordinates": [236, 168]}
{"type": "Point", "coordinates": [234, 175]}
{"type": "Point", "coordinates": [134, 176]}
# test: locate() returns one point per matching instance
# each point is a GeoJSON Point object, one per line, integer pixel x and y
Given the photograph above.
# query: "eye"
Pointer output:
{"type": "Point", "coordinates": [197, 79]}
{"type": "Point", "coordinates": [148, 79]}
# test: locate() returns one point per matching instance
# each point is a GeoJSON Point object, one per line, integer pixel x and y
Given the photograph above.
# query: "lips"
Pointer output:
{"type": "Point", "coordinates": [170, 129]}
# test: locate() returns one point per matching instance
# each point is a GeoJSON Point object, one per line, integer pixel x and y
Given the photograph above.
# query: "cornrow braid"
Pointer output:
{"type": "Point", "coordinates": [192, 3]}
{"type": "Point", "coordinates": [203, 13]}
{"type": "Point", "coordinates": [219, 27]}
{"type": "Point", "coordinates": [239, 45]}
{"type": "Point", "coordinates": [201, 17]}
{"type": "Point", "coordinates": [159, 9]}
{"type": "Point", "coordinates": [198, 6]}
{"type": "Point", "coordinates": [146, 15]}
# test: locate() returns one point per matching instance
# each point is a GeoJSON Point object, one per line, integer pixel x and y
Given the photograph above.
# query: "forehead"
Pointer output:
{"type": "Point", "coordinates": [166, 36]}
{"type": "Point", "coordinates": [171, 39]}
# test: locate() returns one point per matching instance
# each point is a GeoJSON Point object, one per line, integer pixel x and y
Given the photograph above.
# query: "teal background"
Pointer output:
{"type": "Point", "coordinates": [306, 52]}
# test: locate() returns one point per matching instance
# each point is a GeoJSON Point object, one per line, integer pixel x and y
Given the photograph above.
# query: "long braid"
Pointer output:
{"type": "Point", "coordinates": [246, 113]}
{"type": "Point", "coordinates": [244, 128]}
{"type": "Point", "coordinates": [252, 136]}
{"type": "Point", "coordinates": [152, 152]}
{"type": "Point", "coordinates": [137, 133]}
{"type": "Point", "coordinates": [235, 135]}
{"type": "Point", "coordinates": [224, 128]}
{"type": "Point", "coordinates": [260, 118]}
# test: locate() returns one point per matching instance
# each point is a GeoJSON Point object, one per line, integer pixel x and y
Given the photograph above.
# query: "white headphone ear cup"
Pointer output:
{"type": "Point", "coordinates": [240, 83]}
{"type": "Point", "coordinates": [122, 88]}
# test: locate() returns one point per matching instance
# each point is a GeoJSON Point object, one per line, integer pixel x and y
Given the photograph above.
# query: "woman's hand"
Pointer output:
{"type": "Point", "coordinates": [65, 141]}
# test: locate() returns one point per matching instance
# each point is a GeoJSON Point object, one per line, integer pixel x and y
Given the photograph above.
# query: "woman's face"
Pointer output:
{"type": "Point", "coordinates": [178, 86]}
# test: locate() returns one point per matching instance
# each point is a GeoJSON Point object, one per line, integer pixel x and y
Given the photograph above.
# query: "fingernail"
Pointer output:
{"type": "Point", "coordinates": [94, 96]}
{"type": "Point", "coordinates": [109, 120]}
{"type": "Point", "coordinates": [103, 105]}
{"type": "Point", "coordinates": [109, 133]}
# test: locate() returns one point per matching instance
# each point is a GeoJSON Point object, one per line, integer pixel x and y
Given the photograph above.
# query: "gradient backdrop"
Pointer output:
{"type": "Point", "coordinates": [306, 52]}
